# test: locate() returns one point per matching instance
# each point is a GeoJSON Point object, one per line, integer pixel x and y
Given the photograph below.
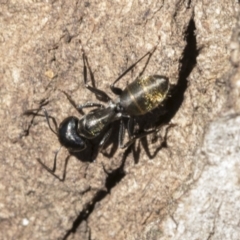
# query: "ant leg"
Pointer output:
{"type": "Point", "coordinates": [48, 122]}
{"type": "Point", "coordinates": [81, 106]}
{"type": "Point", "coordinates": [105, 138]}
{"type": "Point", "coordinates": [139, 136]}
{"type": "Point", "coordinates": [144, 134]}
{"type": "Point", "coordinates": [70, 99]}
{"type": "Point", "coordinates": [122, 128]}
{"type": "Point", "coordinates": [52, 171]}
{"type": "Point", "coordinates": [101, 95]}
{"type": "Point", "coordinates": [147, 62]}
{"type": "Point", "coordinates": [121, 134]}
{"type": "Point", "coordinates": [130, 126]}
{"type": "Point", "coordinates": [118, 91]}
{"type": "Point", "coordinates": [163, 141]}
{"type": "Point", "coordinates": [35, 112]}
{"type": "Point", "coordinates": [90, 104]}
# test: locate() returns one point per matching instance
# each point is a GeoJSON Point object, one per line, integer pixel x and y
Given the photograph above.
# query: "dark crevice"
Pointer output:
{"type": "Point", "coordinates": [188, 62]}
{"type": "Point", "coordinates": [83, 216]}
{"type": "Point", "coordinates": [112, 180]}
{"type": "Point", "coordinates": [118, 174]}
{"type": "Point", "coordinates": [190, 53]}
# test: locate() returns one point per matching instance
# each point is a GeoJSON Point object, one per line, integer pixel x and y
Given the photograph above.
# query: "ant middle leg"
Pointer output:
{"type": "Point", "coordinates": [82, 106]}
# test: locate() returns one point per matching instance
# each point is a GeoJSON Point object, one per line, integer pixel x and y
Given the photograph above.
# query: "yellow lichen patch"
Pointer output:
{"type": "Point", "coordinates": [50, 74]}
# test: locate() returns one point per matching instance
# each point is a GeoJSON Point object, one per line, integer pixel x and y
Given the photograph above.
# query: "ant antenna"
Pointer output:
{"type": "Point", "coordinates": [48, 122]}
{"type": "Point", "coordinates": [52, 171]}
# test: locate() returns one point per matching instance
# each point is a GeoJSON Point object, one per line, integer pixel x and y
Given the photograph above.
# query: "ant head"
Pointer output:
{"type": "Point", "coordinates": [68, 135]}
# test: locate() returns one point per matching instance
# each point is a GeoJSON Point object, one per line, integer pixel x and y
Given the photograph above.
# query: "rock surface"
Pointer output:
{"type": "Point", "coordinates": [182, 185]}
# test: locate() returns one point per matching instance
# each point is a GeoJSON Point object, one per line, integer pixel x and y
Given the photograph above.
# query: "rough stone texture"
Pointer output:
{"type": "Point", "coordinates": [186, 188]}
{"type": "Point", "coordinates": [212, 203]}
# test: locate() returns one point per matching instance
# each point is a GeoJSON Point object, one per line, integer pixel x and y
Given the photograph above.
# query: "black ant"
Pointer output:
{"type": "Point", "coordinates": [138, 98]}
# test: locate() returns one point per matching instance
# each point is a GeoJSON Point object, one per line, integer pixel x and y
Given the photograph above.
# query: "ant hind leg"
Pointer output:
{"type": "Point", "coordinates": [118, 91]}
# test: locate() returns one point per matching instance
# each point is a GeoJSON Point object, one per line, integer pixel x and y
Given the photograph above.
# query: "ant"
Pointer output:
{"type": "Point", "coordinates": [138, 98]}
